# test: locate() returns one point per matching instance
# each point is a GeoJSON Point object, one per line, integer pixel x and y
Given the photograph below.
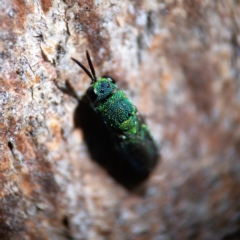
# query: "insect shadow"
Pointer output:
{"type": "Point", "coordinates": [102, 148]}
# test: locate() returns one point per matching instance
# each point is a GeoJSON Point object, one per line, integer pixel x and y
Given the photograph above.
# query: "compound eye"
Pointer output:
{"type": "Point", "coordinates": [91, 95]}
{"type": "Point", "coordinates": [110, 78]}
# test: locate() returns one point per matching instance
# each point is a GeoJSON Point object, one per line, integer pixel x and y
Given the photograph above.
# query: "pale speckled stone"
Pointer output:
{"type": "Point", "coordinates": [179, 64]}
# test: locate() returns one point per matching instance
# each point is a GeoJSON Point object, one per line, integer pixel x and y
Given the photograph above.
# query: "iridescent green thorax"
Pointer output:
{"type": "Point", "coordinates": [119, 113]}
{"type": "Point", "coordinates": [103, 87]}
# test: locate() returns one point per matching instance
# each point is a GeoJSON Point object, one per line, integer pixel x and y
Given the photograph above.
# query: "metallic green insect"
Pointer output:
{"type": "Point", "coordinates": [132, 138]}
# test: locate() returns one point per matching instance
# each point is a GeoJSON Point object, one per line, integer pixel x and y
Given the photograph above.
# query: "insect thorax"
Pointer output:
{"type": "Point", "coordinates": [119, 113]}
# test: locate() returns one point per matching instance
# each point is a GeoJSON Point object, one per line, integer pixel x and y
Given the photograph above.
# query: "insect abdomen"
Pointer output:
{"type": "Point", "coordinates": [139, 150]}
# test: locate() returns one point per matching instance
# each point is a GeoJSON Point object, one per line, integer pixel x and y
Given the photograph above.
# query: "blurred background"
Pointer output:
{"type": "Point", "coordinates": [179, 63]}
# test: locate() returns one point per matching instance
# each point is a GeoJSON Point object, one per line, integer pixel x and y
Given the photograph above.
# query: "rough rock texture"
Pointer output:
{"type": "Point", "coordinates": [179, 62]}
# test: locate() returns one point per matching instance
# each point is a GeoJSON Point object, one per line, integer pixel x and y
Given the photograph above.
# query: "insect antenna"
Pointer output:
{"type": "Point", "coordinates": [84, 68]}
{"type": "Point", "coordinates": [91, 67]}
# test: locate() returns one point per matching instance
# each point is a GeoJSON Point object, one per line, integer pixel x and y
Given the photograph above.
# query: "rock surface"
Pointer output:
{"type": "Point", "coordinates": [178, 61]}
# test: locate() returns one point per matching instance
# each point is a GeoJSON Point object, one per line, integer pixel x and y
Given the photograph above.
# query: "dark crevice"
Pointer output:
{"type": "Point", "coordinates": [44, 56]}
{"type": "Point", "coordinates": [10, 145]}
{"type": "Point", "coordinates": [67, 231]}
{"type": "Point", "coordinates": [66, 19]}
{"type": "Point", "coordinates": [65, 222]}
{"type": "Point", "coordinates": [39, 37]}
{"type": "Point", "coordinates": [60, 52]}
{"type": "Point", "coordinates": [141, 46]}
{"type": "Point", "coordinates": [235, 55]}
{"type": "Point", "coordinates": [232, 236]}
{"type": "Point", "coordinates": [151, 22]}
